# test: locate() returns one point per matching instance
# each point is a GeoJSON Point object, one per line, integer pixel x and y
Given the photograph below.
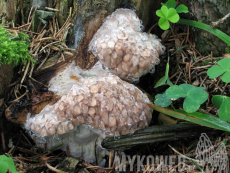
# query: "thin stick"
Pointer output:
{"type": "Point", "coordinates": [24, 75]}
{"type": "Point", "coordinates": [29, 31]}
{"type": "Point", "coordinates": [70, 13]}
{"type": "Point", "coordinates": [54, 169]}
{"type": "Point", "coordinates": [31, 71]}
{"type": "Point", "coordinates": [51, 9]}
{"type": "Point", "coordinates": [47, 38]}
{"type": "Point", "coordinates": [215, 24]}
{"type": "Point", "coordinates": [28, 20]}
{"type": "Point", "coordinates": [48, 45]}
{"type": "Point", "coordinates": [17, 100]}
{"type": "Point", "coordinates": [189, 72]}
{"type": "Point", "coordinates": [3, 141]}
{"type": "Point", "coordinates": [26, 138]}
{"type": "Point", "coordinates": [152, 28]}
{"type": "Point", "coordinates": [43, 61]}
{"type": "Point", "coordinates": [110, 158]}
{"type": "Point", "coordinates": [23, 25]}
{"type": "Point", "coordinates": [38, 82]}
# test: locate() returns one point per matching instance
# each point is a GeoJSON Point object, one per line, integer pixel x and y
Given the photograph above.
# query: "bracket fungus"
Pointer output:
{"type": "Point", "coordinates": [123, 48]}
{"type": "Point", "coordinates": [89, 110]}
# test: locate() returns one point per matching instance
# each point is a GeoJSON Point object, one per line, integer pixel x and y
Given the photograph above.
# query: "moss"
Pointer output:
{"type": "Point", "coordinates": [14, 48]}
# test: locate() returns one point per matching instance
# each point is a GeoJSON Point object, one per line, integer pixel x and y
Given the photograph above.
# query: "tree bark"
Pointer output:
{"type": "Point", "coordinates": [207, 11]}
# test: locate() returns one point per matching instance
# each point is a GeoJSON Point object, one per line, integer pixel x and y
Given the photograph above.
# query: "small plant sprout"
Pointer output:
{"type": "Point", "coordinates": [169, 13]}
{"type": "Point", "coordinates": [194, 96]}
{"type": "Point", "coordinates": [7, 163]}
{"type": "Point", "coordinates": [223, 68]}
{"type": "Point", "coordinates": [164, 79]}
{"type": "Point", "coordinates": [222, 103]}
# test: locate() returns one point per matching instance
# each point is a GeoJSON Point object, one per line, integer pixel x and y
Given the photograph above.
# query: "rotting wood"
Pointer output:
{"type": "Point", "coordinates": [154, 134]}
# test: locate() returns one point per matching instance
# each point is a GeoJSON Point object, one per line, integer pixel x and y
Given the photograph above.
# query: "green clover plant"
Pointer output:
{"type": "Point", "coordinates": [169, 13]}
{"type": "Point", "coordinates": [223, 68]}
{"type": "Point", "coordinates": [194, 96]}
{"type": "Point", "coordinates": [222, 103]}
{"type": "Point", "coordinates": [7, 163]}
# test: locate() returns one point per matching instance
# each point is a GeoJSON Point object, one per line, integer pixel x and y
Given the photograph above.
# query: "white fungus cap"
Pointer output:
{"type": "Point", "coordinates": [123, 48]}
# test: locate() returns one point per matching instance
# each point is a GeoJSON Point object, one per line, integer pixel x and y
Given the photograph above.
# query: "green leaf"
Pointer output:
{"type": "Point", "coordinates": [173, 16]}
{"type": "Point", "coordinates": [163, 23]}
{"type": "Point", "coordinates": [164, 10]}
{"type": "Point", "coordinates": [196, 117]}
{"type": "Point", "coordinates": [171, 3]}
{"type": "Point", "coordinates": [208, 120]}
{"type": "Point", "coordinates": [195, 96]}
{"type": "Point", "coordinates": [223, 67]}
{"type": "Point", "coordinates": [175, 92]}
{"type": "Point", "coordinates": [169, 82]}
{"type": "Point", "coordinates": [226, 76]}
{"type": "Point", "coordinates": [164, 78]}
{"type": "Point", "coordinates": [161, 82]}
{"type": "Point", "coordinates": [9, 163]}
{"type": "Point", "coordinates": [3, 166]}
{"type": "Point", "coordinates": [207, 28]}
{"type": "Point", "coordinates": [217, 100]}
{"type": "Point", "coordinates": [159, 13]}
{"type": "Point", "coordinates": [182, 9]}
{"type": "Point", "coordinates": [225, 63]}
{"type": "Point", "coordinates": [162, 100]}
{"type": "Point", "coordinates": [215, 71]}
{"type": "Point", "coordinates": [224, 110]}
{"type": "Point", "coordinates": [167, 69]}
{"type": "Point", "coordinates": [222, 103]}
{"type": "Point", "coordinates": [187, 88]}
{"type": "Point", "coordinates": [190, 105]}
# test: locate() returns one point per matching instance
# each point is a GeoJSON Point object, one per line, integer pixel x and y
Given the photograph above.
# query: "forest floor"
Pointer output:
{"type": "Point", "coordinates": [186, 65]}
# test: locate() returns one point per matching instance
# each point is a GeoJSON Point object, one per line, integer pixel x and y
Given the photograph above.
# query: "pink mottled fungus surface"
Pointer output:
{"type": "Point", "coordinates": [106, 103]}
{"type": "Point", "coordinates": [123, 48]}
{"type": "Point", "coordinates": [89, 110]}
{"type": "Point", "coordinates": [100, 104]}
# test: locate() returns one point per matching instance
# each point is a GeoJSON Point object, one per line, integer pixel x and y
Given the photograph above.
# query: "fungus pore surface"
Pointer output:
{"type": "Point", "coordinates": [123, 48]}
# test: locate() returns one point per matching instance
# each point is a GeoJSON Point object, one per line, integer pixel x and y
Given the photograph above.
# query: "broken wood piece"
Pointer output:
{"type": "Point", "coordinates": [51, 9]}
{"type": "Point", "coordinates": [154, 134]}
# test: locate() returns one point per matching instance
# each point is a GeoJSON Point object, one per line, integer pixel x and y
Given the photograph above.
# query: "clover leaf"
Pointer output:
{"type": "Point", "coordinates": [7, 163]}
{"type": "Point", "coordinates": [223, 68]}
{"type": "Point", "coordinates": [173, 16]}
{"type": "Point", "coordinates": [163, 23]}
{"type": "Point", "coordinates": [194, 96]}
{"type": "Point", "coordinates": [182, 9]}
{"type": "Point", "coordinates": [167, 15]}
{"type": "Point", "coordinates": [170, 4]}
{"type": "Point", "coordinates": [222, 103]}
{"type": "Point", "coordinates": [162, 100]}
